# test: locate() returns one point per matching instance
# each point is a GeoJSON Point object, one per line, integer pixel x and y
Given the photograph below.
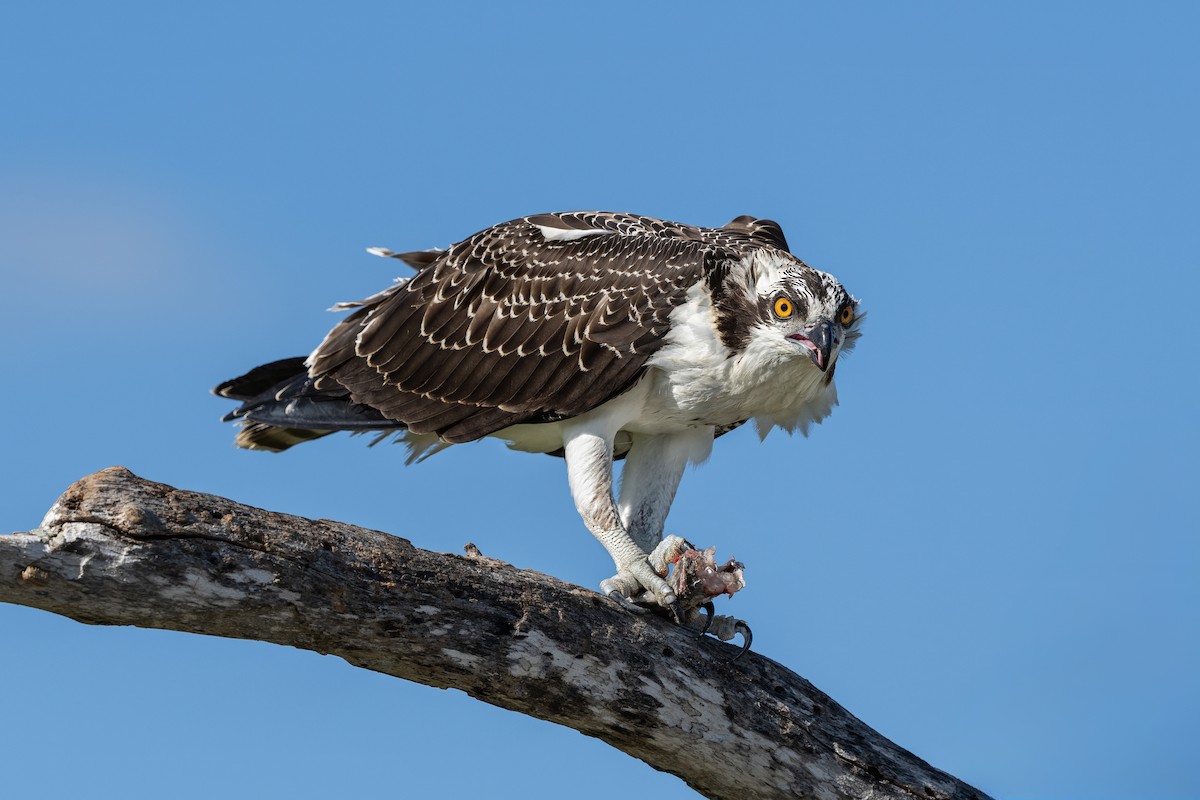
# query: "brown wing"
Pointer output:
{"type": "Point", "coordinates": [766, 231]}
{"type": "Point", "coordinates": [541, 318]}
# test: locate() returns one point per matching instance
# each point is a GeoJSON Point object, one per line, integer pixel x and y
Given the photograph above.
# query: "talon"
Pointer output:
{"type": "Point", "coordinates": [677, 613]}
{"type": "Point", "coordinates": [624, 602]}
{"type": "Point", "coordinates": [747, 637]}
{"type": "Point", "coordinates": [709, 613]}
{"type": "Point", "coordinates": [725, 628]}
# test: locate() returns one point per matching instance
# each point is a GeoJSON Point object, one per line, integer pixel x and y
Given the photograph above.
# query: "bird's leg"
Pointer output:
{"type": "Point", "coordinates": [653, 468]}
{"type": "Point", "coordinates": [589, 470]}
{"type": "Point", "coordinates": [649, 480]}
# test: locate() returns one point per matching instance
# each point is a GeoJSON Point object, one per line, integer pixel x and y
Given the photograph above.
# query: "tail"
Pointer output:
{"type": "Point", "coordinates": [281, 407]}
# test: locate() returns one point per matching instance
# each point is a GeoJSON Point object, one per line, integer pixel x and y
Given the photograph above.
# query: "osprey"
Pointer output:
{"type": "Point", "coordinates": [589, 335]}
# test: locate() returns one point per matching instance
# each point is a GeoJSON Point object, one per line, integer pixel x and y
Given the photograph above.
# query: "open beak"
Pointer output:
{"type": "Point", "coordinates": [819, 341]}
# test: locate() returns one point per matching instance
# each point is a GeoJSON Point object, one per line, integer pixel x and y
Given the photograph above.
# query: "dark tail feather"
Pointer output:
{"type": "Point", "coordinates": [261, 380]}
{"type": "Point", "coordinates": [257, 436]}
{"type": "Point", "coordinates": [282, 407]}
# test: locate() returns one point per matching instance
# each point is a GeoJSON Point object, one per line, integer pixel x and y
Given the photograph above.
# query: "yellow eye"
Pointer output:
{"type": "Point", "coordinates": [783, 308]}
{"type": "Point", "coordinates": [846, 315]}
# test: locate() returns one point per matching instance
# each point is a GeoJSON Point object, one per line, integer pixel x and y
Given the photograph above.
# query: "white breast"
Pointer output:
{"type": "Point", "coordinates": [696, 379]}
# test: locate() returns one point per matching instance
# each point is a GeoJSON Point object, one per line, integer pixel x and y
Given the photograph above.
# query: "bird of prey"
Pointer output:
{"type": "Point", "coordinates": [593, 336]}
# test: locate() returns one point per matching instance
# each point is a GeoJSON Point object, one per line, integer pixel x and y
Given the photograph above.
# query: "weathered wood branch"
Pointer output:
{"type": "Point", "coordinates": [119, 550]}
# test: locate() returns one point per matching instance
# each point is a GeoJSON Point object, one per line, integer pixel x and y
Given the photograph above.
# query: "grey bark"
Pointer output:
{"type": "Point", "coordinates": [119, 550]}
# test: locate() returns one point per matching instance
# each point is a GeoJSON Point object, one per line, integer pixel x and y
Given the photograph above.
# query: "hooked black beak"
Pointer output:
{"type": "Point", "coordinates": [822, 336]}
{"type": "Point", "coordinates": [819, 339]}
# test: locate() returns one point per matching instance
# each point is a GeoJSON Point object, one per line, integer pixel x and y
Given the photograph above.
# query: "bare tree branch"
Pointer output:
{"type": "Point", "coordinates": [119, 550]}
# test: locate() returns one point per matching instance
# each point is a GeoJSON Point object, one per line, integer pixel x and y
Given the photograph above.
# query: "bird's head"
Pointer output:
{"type": "Point", "coordinates": [811, 312]}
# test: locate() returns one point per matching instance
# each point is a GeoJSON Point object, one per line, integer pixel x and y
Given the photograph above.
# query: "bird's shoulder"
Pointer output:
{"type": "Point", "coordinates": [607, 248]}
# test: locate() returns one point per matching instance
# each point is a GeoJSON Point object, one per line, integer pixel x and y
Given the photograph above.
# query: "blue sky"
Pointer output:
{"type": "Point", "coordinates": [989, 553]}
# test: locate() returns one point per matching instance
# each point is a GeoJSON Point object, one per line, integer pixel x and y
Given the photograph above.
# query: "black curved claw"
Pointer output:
{"type": "Point", "coordinates": [677, 613]}
{"type": "Point", "coordinates": [747, 636]}
{"type": "Point", "coordinates": [709, 612]}
{"type": "Point", "coordinates": [625, 603]}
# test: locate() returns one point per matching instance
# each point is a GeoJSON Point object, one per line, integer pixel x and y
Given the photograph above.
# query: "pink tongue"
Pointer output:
{"type": "Point", "coordinates": [804, 340]}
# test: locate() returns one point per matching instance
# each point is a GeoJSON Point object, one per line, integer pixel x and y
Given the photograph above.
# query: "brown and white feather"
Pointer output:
{"type": "Point", "coordinates": [540, 318]}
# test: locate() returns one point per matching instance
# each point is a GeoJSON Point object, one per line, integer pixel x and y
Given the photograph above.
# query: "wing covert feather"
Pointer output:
{"type": "Point", "coordinates": [541, 317]}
